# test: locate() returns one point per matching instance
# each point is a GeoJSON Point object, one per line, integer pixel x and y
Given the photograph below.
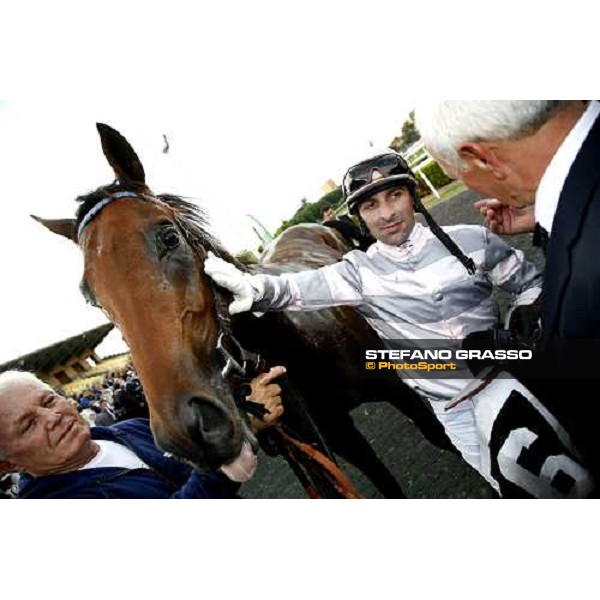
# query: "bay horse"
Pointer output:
{"type": "Point", "coordinates": [143, 265]}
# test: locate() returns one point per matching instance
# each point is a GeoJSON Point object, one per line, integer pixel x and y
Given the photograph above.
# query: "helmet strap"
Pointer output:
{"type": "Point", "coordinates": [450, 244]}
{"type": "Point", "coordinates": [363, 226]}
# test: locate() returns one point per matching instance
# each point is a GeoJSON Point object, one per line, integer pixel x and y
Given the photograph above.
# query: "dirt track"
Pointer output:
{"type": "Point", "coordinates": [423, 470]}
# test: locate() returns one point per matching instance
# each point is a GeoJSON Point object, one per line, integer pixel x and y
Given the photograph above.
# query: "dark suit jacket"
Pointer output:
{"type": "Point", "coordinates": [571, 305]}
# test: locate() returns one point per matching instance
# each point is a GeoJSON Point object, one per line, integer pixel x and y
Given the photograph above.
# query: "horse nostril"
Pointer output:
{"type": "Point", "coordinates": [210, 418]}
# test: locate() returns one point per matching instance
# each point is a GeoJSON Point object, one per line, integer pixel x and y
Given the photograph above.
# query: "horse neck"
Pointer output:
{"type": "Point", "coordinates": [267, 334]}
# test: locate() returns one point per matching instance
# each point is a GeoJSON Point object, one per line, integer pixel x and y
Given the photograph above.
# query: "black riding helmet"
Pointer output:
{"type": "Point", "coordinates": [375, 174]}
{"type": "Point", "coordinates": [382, 172]}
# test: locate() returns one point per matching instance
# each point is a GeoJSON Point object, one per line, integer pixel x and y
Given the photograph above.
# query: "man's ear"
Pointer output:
{"type": "Point", "coordinates": [483, 157]}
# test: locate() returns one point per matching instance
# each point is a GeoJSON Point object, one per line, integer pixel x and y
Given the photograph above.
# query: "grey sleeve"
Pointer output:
{"type": "Point", "coordinates": [334, 285]}
{"type": "Point", "coordinates": [508, 269]}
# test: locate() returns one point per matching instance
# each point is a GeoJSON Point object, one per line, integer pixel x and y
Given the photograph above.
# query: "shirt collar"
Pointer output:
{"type": "Point", "coordinates": [417, 235]}
{"type": "Point", "coordinates": [555, 175]}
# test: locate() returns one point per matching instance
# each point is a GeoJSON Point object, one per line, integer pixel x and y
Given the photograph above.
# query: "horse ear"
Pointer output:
{"type": "Point", "coordinates": [64, 227]}
{"type": "Point", "coordinates": [120, 155]}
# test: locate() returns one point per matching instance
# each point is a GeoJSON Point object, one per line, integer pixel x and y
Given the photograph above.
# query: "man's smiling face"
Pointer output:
{"type": "Point", "coordinates": [389, 215]}
{"type": "Point", "coordinates": [40, 431]}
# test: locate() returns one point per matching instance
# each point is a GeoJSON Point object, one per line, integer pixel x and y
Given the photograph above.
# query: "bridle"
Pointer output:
{"type": "Point", "coordinates": [239, 364]}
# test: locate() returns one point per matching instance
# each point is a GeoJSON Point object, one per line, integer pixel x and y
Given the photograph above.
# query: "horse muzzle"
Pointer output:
{"type": "Point", "coordinates": [214, 435]}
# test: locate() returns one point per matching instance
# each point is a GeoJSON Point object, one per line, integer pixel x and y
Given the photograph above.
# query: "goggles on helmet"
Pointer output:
{"type": "Point", "coordinates": [373, 175]}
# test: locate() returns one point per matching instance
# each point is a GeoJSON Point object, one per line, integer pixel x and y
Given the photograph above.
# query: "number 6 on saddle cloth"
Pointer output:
{"type": "Point", "coordinates": [525, 451]}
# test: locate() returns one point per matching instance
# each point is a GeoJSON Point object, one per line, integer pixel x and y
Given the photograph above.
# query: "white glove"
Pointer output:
{"type": "Point", "coordinates": [228, 276]}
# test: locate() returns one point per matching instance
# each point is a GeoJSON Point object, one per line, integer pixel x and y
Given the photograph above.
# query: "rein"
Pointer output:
{"type": "Point", "coordinates": [240, 365]}
{"type": "Point", "coordinates": [249, 366]}
{"type": "Point", "coordinates": [488, 378]}
{"type": "Point", "coordinates": [303, 452]}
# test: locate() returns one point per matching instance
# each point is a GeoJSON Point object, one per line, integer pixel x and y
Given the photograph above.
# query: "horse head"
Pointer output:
{"type": "Point", "coordinates": [143, 265]}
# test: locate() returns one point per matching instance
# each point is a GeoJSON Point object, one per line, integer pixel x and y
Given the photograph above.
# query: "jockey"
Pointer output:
{"type": "Point", "coordinates": [414, 283]}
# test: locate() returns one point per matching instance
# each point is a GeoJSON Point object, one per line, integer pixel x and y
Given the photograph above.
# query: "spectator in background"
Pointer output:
{"type": "Point", "coordinates": [89, 416]}
{"type": "Point", "coordinates": [329, 214]}
{"type": "Point", "coordinates": [108, 392]}
{"type": "Point", "coordinates": [130, 401]}
{"type": "Point", "coordinates": [359, 237]}
{"type": "Point", "coordinates": [106, 416]}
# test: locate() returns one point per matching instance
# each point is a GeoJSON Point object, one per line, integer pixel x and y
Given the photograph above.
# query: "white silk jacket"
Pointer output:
{"type": "Point", "coordinates": [414, 291]}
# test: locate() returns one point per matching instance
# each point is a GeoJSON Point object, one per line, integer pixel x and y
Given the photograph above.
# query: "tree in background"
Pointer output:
{"type": "Point", "coordinates": [247, 257]}
{"type": "Point", "coordinates": [408, 136]}
{"type": "Point", "coordinates": [312, 212]}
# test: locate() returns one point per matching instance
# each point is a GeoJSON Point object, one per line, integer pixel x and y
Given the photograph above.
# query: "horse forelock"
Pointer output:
{"type": "Point", "coordinates": [90, 200]}
{"type": "Point", "coordinates": [190, 217]}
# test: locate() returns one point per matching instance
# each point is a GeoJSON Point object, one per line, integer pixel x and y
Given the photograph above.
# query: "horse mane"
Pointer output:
{"type": "Point", "coordinates": [190, 217]}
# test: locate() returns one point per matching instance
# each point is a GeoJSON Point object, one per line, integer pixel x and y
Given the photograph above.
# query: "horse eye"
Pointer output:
{"type": "Point", "coordinates": [170, 239]}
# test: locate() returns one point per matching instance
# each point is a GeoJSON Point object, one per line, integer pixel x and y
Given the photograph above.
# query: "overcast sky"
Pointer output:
{"type": "Point", "coordinates": [256, 153]}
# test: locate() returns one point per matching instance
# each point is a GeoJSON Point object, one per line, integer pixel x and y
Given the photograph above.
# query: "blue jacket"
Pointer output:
{"type": "Point", "coordinates": [166, 477]}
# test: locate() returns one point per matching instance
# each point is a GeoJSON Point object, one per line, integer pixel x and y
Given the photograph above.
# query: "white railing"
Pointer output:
{"type": "Point", "coordinates": [417, 157]}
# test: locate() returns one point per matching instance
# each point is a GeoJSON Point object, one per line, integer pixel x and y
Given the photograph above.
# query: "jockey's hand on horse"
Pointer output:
{"type": "Point", "coordinates": [265, 392]}
{"type": "Point", "coordinates": [246, 288]}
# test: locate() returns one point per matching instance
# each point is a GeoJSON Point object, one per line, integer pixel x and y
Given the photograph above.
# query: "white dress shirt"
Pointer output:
{"type": "Point", "coordinates": [555, 175]}
{"type": "Point", "coordinates": [113, 455]}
